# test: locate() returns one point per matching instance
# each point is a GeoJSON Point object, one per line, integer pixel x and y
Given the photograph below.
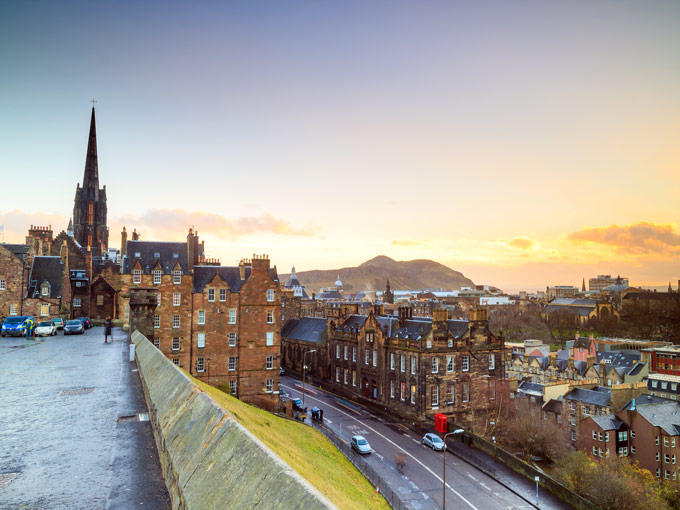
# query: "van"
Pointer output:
{"type": "Point", "coordinates": [20, 325]}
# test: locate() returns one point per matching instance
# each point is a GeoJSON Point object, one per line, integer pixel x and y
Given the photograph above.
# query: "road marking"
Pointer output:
{"type": "Point", "coordinates": [413, 485]}
{"type": "Point", "coordinates": [485, 486]}
{"type": "Point", "coordinates": [380, 456]}
{"type": "Point", "coordinates": [471, 477]}
{"type": "Point", "coordinates": [327, 420]}
{"type": "Point", "coordinates": [307, 390]}
{"type": "Point", "coordinates": [415, 441]}
{"type": "Point", "coordinates": [401, 449]}
{"type": "Point", "coordinates": [408, 436]}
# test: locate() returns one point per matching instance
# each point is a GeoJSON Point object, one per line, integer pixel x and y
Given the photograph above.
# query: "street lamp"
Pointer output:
{"type": "Point", "coordinates": [537, 479]}
{"type": "Point", "coordinates": [454, 433]}
{"type": "Point", "coordinates": [304, 371]}
{"type": "Point", "coordinates": [208, 370]}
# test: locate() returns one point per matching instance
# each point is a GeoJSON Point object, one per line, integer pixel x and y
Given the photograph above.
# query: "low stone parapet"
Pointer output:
{"type": "Point", "coordinates": [209, 460]}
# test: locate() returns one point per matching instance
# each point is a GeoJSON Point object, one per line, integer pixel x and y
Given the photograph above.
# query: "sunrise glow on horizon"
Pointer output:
{"type": "Point", "coordinates": [523, 144]}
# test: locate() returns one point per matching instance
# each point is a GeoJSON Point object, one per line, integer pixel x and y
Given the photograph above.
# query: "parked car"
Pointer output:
{"type": "Point", "coordinates": [298, 406]}
{"type": "Point", "coordinates": [87, 323]}
{"type": "Point", "coordinates": [360, 445]}
{"type": "Point", "coordinates": [58, 322]}
{"type": "Point", "coordinates": [74, 327]}
{"type": "Point", "coordinates": [20, 325]}
{"type": "Point", "coordinates": [434, 441]}
{"type": "Point", "coordinates": [282, 371]}
{"type": "Point", "coordinates": [284, 394]}
{"type": "Point", "coordinates": [46, 328]}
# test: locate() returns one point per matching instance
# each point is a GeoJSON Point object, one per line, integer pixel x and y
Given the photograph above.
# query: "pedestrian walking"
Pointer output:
{"type": "Point", "coordinates": [107, 330]}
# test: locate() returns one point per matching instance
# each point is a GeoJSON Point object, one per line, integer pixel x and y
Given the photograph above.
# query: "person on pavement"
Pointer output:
{"type": "Point", "coordinates": [107, 330]}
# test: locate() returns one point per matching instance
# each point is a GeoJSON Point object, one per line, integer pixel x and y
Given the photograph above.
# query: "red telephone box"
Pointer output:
{"type": "Point", "coordinates": [440, 423]}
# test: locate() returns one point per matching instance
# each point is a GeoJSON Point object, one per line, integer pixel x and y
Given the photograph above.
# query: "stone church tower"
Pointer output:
{"type": "Point", "coordinates": [89, 210]}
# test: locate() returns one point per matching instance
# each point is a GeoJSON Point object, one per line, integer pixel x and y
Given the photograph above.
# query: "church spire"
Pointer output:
{"type": "Point", "coordinates": [91, 176]}
{"type": "Point", "coordinates": [583, 287]}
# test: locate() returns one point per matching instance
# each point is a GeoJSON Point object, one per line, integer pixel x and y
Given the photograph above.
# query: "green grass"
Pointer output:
{"type": "Point", "coordinates": [305, 450]}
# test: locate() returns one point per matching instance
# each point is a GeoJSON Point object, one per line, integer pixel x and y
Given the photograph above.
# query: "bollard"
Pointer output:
{"type": "Point", "coordinates": [132, 351]}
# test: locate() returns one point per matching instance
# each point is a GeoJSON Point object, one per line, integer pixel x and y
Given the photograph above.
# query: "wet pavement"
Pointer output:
{"type": "Point", "coordinates": [70, 429]}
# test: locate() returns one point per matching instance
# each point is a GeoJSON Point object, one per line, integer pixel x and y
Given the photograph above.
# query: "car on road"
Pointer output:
{"type": "Point", "coordinates": [58, 322]}
{"type": "Point", "coordinates": [434, 441]}
{"type": "Point", "coordinates": [360, 445]}
{"type": "Point", "coordinates": [282, 371]}
{"type": "Point", "coordinates": [298, 405]}
{"type": "Point", "coordinates": [20, 325]}
{"type": "Point", "coordinates": [46, 328]}
{"type": "Point", "coordinates": [87, 323]}
{"type": "Point", "coordinates": [74, 327]}
{"type": "Point", "coordinates": [284, 394]}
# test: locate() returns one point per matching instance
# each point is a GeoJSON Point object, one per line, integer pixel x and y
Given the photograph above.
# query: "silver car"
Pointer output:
{"type": "Point", "coordinates": [360, 444]}
{"type": "Point", "coordinates": [434, 441]}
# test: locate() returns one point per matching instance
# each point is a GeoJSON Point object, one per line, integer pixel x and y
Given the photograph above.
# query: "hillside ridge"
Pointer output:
{"type": "Point", "coordinates": [373, 275]}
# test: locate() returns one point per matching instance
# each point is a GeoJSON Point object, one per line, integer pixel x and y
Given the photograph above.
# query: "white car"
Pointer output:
{"type": "Point", "coordinates": [45, 329]}
{"type": "Point", "coordinates": [434, 441]}
{"type": "Point", "coordinates": [360, 444]}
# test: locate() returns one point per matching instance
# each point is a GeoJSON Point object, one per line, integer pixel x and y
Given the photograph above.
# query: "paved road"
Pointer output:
{"type": "Point", "coordinates": [62, 443]}
{"type": "Point", "coordinates": [421, 481]}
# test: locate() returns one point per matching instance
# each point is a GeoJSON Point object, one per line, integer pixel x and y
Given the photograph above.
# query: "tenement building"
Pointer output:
{"type": "Point", "coordinates": [414, 366]}
{"type": "Point", "coordinates": [220, 324]}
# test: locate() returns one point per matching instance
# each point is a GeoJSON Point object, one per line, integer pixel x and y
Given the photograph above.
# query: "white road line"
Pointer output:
{"type": "Point", "coordinates": [327, 420]}
{"type": "Point", "coordinates": [379, 456]}
{"type": "Point", "coordinates": [415, 441]}
{"type": "Point", "coordinates": [471, 476]}
{"type": "Point", "coordinates": [399, 448]}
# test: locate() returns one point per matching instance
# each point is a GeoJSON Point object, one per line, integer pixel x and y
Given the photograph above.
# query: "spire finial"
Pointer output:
{"type": "Point", "coordinates": [93, 101]}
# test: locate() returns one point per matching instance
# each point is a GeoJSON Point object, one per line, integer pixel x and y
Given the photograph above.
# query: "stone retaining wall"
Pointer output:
{"type": "Point", "coordinates": [209, 460]}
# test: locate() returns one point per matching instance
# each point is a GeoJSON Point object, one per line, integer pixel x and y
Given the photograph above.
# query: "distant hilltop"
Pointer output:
{"type": "Point", "coordinates": [373, 274]}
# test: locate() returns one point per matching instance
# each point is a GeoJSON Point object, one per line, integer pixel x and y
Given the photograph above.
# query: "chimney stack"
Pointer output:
{"type": "Point", "coordinates": [123, 243]}
{"type": "Point", "coordinates": [242, 269]}
{"type": "Point", "coordinates": [63, 252]}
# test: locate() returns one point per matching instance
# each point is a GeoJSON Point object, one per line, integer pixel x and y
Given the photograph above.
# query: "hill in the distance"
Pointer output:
{"type": "Point", "coordinates": [372, 275]}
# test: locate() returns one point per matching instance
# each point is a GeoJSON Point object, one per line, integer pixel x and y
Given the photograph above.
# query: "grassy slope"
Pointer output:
{"type": "Point", "coordinates": [305, 450]}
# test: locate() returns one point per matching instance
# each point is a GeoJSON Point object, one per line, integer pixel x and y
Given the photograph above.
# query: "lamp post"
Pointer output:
{"type": "Point", "coordinates": [208, 370]}
{"type": "Point", "coordinates": [304, 372]}
{"type": "Point", "coordinates": [454, 433]}
{"type": "Point", "coordinates": [536, 478]}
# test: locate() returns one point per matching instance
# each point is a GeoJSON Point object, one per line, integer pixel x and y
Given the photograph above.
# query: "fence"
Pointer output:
{"type": "Point", "coordinates": [390, 495]}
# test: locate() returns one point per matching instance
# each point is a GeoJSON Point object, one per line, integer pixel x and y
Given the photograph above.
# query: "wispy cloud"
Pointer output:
{"type": "Point", "coordinates": [407, 242]}
{"type": "Point", "coordinates": [639, 238]}
{"type": "Point", "coordinates": [167, 222]}
{"type": "Point", "coordinates": [16, 223]}
{"type": "Point", "coordinates": [522, 243]}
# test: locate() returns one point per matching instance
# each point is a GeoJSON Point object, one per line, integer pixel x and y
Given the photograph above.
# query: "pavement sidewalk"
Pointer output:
{"type": "Point", "coordinates": [70, 426]}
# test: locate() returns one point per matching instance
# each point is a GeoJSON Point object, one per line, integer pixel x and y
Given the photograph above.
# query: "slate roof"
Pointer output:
{"type": "Point", "coordinates": [529, 388]}
{"type": "Point", "coordinates": [607, 421]}
{"type": "Point", "coordinates": [352, 322]}
{"type": "Point", "coordinates": [232, 275]}
{"type": "Point", "coordinates": [147, 251]}
{"type": "Point", "coordinates": [573, 302]}
{"type": "Point", "coordinates": [307, 329]}
{"type": "Point", "coordinates": [582, 311]}
{"type": "Point", "coordinates": [637, 368]}
{"type": "Point", "coordinates": [43, 269]}
{"type": "Point", "coordinates": [553, 406]}
{"type": "Point", "coordinates": [19, 250]}
{"type": "Point", "coordinates": [617, 358]}
{"type": "Point", "coordinates": [664, 414]}
{"type": "Point", "coordinates": [330, 294]}
{"type": "Point", "coordinates": [599, 396]}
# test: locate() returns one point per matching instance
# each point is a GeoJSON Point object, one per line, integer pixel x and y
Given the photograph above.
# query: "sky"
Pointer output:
{"type": "Point", "coordinates": [525, 143]}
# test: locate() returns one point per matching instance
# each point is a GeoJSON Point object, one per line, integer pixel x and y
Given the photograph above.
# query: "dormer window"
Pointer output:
{"type": "Point", "coordinates": [157, 255]}
{"type": "Point", "coordinates": [175, 255]}
{"type": "Point", "coordinates": [138, 254]}
{"type": "Point", "coordinates": [45, 289]}
{"type": "Point", "coordinates": [177, 277]}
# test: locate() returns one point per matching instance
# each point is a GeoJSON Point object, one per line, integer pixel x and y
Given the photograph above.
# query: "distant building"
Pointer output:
{"type": "Point", "coordinates": [605, 280]}
{"type": "Point", "coordinates": [561, 291]}
{"type": "Point", "coordinates": [295, 285]}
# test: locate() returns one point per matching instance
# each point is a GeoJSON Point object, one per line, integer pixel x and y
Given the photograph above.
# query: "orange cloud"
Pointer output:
{"type": "Point", "coordinates": [639, 238]}
{"type": "Point", "coordinates": [16, 223]}
{"type": "Point", "coordinates": [523, 243]}
{"type": "Point", "coordinates": [170, 222]}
